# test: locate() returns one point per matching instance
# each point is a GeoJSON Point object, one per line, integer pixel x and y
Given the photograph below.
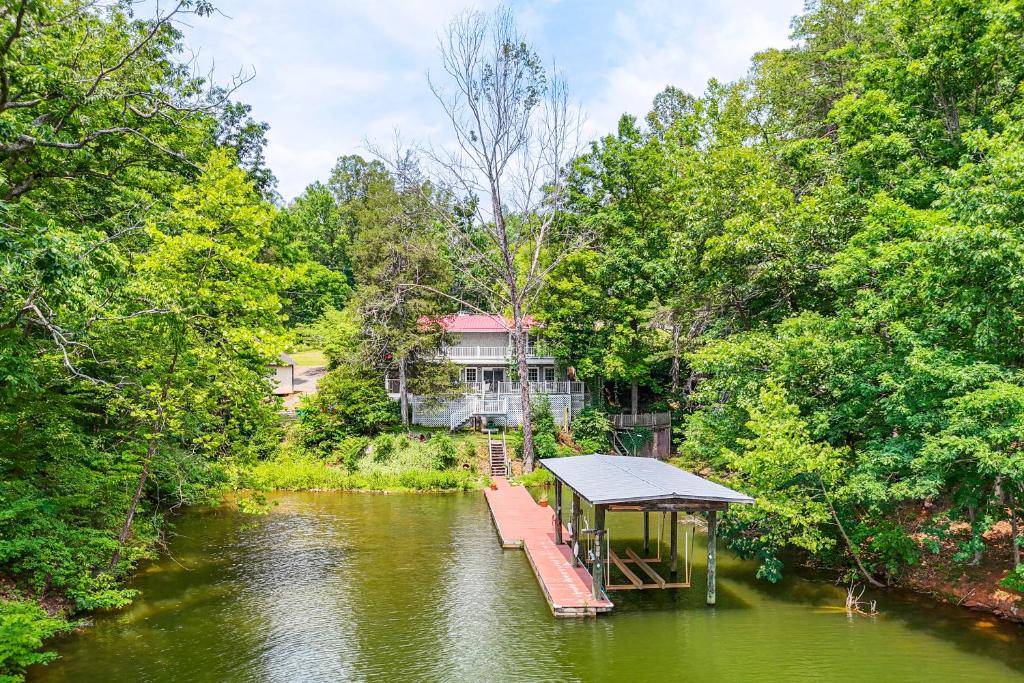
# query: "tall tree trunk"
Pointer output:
{"type": "Point", "coordinates": [971, 514]}
{"type": "Point", "coordinates": [1014, 530]}
{"type": "Point", "coordinates": [524, 392]}
{"type": "Point", "coordinates": [634, 395]}
{"type": "Point", "coordinates": [849, 544]}
{"type": "Point", "coordinates": [126, 528]}
{"type": "Point", "coordinates": [159, 424]}
{"type": "Point", "coordinates": [403, 392]}
{"type": "Point", "coordinates": [675, 358]}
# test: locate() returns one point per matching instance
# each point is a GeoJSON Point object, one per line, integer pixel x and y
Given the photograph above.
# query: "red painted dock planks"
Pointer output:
{"type": "Point", "coordinates": [521, 523]}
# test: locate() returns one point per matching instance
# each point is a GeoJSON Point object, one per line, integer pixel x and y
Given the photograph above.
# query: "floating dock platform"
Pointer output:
{"type": "Point", "coordinates": [522, 523]}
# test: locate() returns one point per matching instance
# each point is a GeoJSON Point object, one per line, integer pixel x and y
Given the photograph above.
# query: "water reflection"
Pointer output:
{"type": "Point", "coordinates": [335, 587]}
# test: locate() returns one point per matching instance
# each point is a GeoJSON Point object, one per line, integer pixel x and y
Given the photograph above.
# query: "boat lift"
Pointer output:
{"type": "Point", "coordinates": [613, 483]}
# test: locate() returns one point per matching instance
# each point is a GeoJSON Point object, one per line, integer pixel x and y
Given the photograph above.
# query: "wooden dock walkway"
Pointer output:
{"type": "Point", "coordinates": [521, 523]}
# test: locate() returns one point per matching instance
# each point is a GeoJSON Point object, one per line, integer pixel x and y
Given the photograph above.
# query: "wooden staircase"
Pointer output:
{"type": "Point", "coordinates": [497, 453]}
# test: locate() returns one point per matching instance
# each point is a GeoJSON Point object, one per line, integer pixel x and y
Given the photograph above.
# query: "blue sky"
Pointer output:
{"type": "Point", "coordinates": [331, 75]}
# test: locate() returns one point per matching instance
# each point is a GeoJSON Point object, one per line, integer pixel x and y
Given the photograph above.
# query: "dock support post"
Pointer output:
{"type": "Point", "coordinates": [575, 519]}
{"type": "Point", "coordinates": [673, 536]}
{"type": "Point", "coordinates": [712, 533]}
{"type": "Point", "coordinates": [647, 533]}
{"type": "Point", "coordinates": [598, 573]}
{"type": "Point", "coordinates": [558, 512]}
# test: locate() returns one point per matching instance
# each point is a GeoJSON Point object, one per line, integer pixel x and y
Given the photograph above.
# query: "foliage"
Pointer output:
{"type": "Point", "coordinates": [591, 429]}
{"type": "Point", "coordinates": [348, 403]}
{"type": "Point", "coordinates": [443, 452]}
{"type": "Point", "coordinates": [545, 435]}
{"type": "Point", "coordinates": [408, 464]}
{"type": "Point", "coordinates": [540, 477]}
{"type": "Point", "coordinates": [349, 451]}
{"type": "Point", "coordinates": [789, 475]}
{"type": "Point", "coordinates": [1015, 579]}
{"type": "Point", "coordinates": [23, 628]}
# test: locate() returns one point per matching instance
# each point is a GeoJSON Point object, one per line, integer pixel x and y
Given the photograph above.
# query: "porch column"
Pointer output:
{"type": "Point", "coordinates": [558, 512]}
{"type": "Point", "coordinates": [712, 533]}
{"type": "Point", "coordinates": [674, 542]}
{"type": "Point", "coordinates": [598, 573]}
{"type": "Point", "coordinates": [574, 517]}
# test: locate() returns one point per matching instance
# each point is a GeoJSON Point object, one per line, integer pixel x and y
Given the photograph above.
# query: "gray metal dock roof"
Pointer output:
{"type": "Point", "coordinates": [603, 479]}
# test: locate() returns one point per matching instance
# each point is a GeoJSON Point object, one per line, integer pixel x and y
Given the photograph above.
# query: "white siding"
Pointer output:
{"type": "Point", "coordinates": [480, 339]}
{"type": "Point", "coordinates": [284, 376]}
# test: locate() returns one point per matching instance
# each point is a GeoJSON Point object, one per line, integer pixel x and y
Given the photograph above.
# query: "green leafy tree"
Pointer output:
{"type": "Point", "coordinates": [348, 403]}
{"type": "Point", "coordinates": [977, 454]}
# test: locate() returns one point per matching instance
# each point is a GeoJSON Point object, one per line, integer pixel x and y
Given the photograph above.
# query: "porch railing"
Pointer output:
{"type": "Point", "coordinates": [498, 352]}
{"type": "Point", "coordinates": [539, 387]}
{"type": "Point", "coordinates": [476, 351]}
{"type": "Point", "coordinates": [536, 387]}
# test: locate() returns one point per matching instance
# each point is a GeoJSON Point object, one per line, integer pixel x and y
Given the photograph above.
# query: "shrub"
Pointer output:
{"type": "Point", "coordinates": [23, 628]}
{"type": "Point", "coordinates": [1015, 579]}
{"type": "Point", "coordinates": [591, 430]}
{"type": "Point", "coordinates": [545, 433]}
{"type": "Point", "coordinates": [46, 544]}
{"type": "Point", "coordinates": [384, 447]}
{"type": "Point", "coordinates": [346, 404]}
{"type": "Point", "coordinates": [350, 451]}
{"type": "Point", "coordinates": [468, 454]}
{"type": "Point", "coordinates": [444, 454]}
{"type": "Point", "coordinates": [310, 474]}
{"type": "Point", "coordinates": [539, 477]}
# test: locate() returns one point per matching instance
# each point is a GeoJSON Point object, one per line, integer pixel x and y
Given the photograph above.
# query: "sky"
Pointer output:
{"type": "Point", "coordinates": [332, 78]}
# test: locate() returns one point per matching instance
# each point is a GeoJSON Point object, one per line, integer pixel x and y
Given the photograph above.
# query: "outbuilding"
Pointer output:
{"type": "Point", "coordinates": [284, 375]}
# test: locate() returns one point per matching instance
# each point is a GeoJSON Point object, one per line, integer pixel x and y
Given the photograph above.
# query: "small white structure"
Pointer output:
{"type": "Point", "coordinates": [284, 375]}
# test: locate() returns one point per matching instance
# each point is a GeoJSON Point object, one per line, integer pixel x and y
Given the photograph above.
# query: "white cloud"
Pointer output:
{"type": "Point", "coordinates": [660, 43]}
{"type": "Point", "coordinates": [329, 76]}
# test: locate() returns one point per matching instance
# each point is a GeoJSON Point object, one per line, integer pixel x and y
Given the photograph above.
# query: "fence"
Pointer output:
{"type": "Point", "coordinates": [660, 427]}
{"type": "Point", "coordinates": [628, 421]}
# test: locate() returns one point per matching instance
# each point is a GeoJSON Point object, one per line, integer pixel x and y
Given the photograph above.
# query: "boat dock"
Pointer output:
{"type": "Point", "coordinates": [608, 483]}
{"type": "Point", "coordinates": [522, 523]}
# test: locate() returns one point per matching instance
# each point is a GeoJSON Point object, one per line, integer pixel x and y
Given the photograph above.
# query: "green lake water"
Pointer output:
{"type": "Point", "coordinates": [336, 587]}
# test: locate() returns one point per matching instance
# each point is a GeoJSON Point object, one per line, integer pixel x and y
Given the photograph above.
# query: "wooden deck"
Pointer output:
{"type": "Point", "coordinates": [521, 523]}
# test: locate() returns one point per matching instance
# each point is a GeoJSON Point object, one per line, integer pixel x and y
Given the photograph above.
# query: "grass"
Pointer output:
{"type": "Point", "coordinates": [314, 475]}
{"type": "Point", "coordinates": [310, 357]}
{"type": "Point", "coordinates": [392, 463]}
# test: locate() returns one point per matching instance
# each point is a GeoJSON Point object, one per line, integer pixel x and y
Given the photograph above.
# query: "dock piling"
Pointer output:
{"type": "Point", "coordinates": [712, 533]}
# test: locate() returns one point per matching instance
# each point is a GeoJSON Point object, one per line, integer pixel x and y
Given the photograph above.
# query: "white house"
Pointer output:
{"type": "Point", "coordinates": [483, 347]}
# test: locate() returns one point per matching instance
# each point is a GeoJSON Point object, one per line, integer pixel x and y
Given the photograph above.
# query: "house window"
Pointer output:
{"type": "Point", "coordinates": [549, 374]}
{"type": "Point", "coordinates": [471, 375]}
{"type": "Point", "coordinates": [531, 374]}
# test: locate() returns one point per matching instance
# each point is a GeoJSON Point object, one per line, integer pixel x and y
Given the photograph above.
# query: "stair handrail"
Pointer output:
{"type": "Point", "coordinates": [504, 451]}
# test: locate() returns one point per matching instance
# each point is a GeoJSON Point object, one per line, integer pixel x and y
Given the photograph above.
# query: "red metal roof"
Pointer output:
{"type": "Point", "coordinates": [476, 322]}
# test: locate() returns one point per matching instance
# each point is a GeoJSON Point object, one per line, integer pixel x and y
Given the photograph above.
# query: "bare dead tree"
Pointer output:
{"type": "Point", "coordinates": [856, 605]}
{"type": "Point", "coordinates": [515, 130]}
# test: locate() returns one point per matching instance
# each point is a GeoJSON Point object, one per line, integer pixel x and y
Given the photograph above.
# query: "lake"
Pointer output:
{"type": "Point", "coordinates": [413, 587]}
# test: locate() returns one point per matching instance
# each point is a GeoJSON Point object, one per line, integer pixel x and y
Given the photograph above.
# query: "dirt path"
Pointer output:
{"type": "Point", "coordinates": [307, 379]}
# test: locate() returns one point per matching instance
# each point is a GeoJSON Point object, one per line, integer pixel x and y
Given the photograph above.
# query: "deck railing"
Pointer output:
{"type": "Point", "coordinates": [628, 421]}
{"type": "Point", "coordinates": [538, 387]}
{"type": "Point", "coordinates": [497, 352]}
{"type": "Point", "coordinates": [488, 406]}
